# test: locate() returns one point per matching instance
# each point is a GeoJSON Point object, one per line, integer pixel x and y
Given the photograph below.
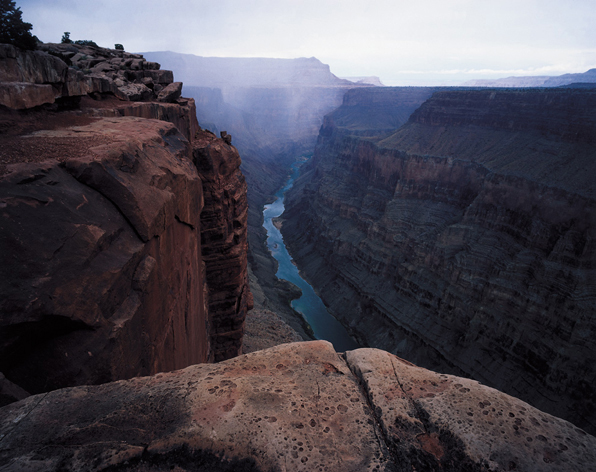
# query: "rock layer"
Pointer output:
{"type": "Point", "coordinates": [295, 407]}
{"type": "Point", "coordinates": [465, 241]}
{"type": "Point", "coordinates": [224, 242]}
{"type": "Point", "coordinates": [63, 72]}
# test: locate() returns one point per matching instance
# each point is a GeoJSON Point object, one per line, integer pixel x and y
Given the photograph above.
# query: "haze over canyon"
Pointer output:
{"type": "Point", "coordinates": [450, 230]}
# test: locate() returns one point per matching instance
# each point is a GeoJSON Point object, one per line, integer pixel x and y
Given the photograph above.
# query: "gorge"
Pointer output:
{"type": "Point", "coordinates": [125, 273]}
{"type": "Point", "coordinates": [462, 241]}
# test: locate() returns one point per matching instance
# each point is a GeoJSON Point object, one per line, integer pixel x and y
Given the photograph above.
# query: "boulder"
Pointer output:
{"type": "Point", "coordinates": [226, 137]}
{"type": "Point", "coordinates": [299, 407]}
{"type": "Point", "coordinates": [171, 93]}
{"type": "Point", "coordinates": [36, 67]}
{"type": "Point", "coordinates": [23, 95]}
{"type": "Point", "coordinates": [134, 92]}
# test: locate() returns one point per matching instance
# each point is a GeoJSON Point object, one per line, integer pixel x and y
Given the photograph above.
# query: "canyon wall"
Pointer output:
{"type": "Point", "coordinates": [465, 240]}
{"type": "Point", "coordinates": [122, 224]}
{"type": "Point", "coordinates": [273, 108]}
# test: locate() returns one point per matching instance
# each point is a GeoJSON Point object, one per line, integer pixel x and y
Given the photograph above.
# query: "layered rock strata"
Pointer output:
{"type": "Point", "coordinates": [465, 241]}
{"type": "Point", "coordinates": [102, 213]}
{"type": "Point", "coordinates": [224, 242]}
{"type": "Point", "coordinates": [296, 407]}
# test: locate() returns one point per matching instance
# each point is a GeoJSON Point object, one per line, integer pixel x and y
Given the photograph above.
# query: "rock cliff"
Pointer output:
{"type": "Point", "coordinates": [299, 407]}
{"type": "Point", "coordinates": [465, 240]}
{"type": "Point", "coordinates": [273, 108]}
{"type": "Point", "coordinates": [224, 242]}
{"type": "Point", "coordinates": [118, 218]}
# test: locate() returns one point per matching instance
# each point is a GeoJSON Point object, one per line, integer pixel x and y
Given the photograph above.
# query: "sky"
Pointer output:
{"type": "Point", "coordinates": [412, 42]}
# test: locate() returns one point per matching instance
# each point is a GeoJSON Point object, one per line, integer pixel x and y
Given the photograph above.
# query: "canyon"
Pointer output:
{"type": "Point", "coordinates": [273, 108]}
{"type": "Point", "coordinates": [463, 240]}
{"type": "Point", "coordinates": [124, 276]}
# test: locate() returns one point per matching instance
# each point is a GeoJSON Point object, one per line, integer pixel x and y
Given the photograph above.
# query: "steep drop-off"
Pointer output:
{"type": "Point", "coordinates": [273, 108]}
{"type": "Point", "coordinates": [115, 224]}
{"type": "Point", "coordinates": [465, 241]}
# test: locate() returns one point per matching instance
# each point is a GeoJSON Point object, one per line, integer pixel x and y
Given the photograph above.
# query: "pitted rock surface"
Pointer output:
{"type": "Point", "coordinates": [293, 407]}
{"type": "Point", "coordinates": [454, 422]}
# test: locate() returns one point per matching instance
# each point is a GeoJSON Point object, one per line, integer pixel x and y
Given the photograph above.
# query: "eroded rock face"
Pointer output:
{"type": "Point", "coordinates": [296, 407]}
{"type": "Point", "coordinates": [58, 72]}
{"type": "Point", "coordinates": [101, 274]}
{"type": "Point", "coordinates": [224, 242]}
{"type": "Point", "coordinates": [465, 241]}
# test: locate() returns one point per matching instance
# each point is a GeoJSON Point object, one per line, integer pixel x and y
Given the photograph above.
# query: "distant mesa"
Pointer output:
{"type": "Point", "coordinates": [226, 72]}
{"type": "Point", "coordinates": [588, 77]}
{"type": "Point", "coordinates": [369, 80]}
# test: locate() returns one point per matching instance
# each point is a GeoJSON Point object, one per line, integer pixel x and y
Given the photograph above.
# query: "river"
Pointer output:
{"type": "Point", "coordinates": [309, 305]}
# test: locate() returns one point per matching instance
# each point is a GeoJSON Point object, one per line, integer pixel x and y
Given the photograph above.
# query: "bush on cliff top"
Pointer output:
{"type": "Point", "coordinates": [13, 30]}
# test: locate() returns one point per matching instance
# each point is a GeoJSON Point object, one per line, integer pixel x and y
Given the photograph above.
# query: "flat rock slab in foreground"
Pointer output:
{"type": "Point", "coordinates": [294, 407]}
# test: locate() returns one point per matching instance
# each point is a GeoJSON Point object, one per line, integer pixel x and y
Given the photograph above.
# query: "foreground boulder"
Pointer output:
{"type": "Point", "coordinates": [297, 406]}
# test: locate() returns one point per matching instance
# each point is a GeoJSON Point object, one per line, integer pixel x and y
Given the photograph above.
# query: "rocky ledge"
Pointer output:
{"type": "Point", "coordinates": [66, 72]}
{"type": "Point", "coordinates": [298, 406]}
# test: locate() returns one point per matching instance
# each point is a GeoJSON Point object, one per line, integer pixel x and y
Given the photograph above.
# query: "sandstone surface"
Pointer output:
{"type": "Point", "coordinates": [101, 270]}
{"type": "Point", "coordinates": [294, 407]}
{"type": "Point", "coordinates": [465, 241]}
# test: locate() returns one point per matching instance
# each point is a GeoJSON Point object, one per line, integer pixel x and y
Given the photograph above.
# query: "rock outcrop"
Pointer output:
{"type": "Point", "coordinates": [66, 72]}
{"type": "Point", "coordinates": [101, 271]}
{"type": "Point", "coordinates": [465, 241]}
{"type": "Point", "coordinates": [224, 242]}
{"type": "Point", "coordinates": [298, 407]}
{"type": "Point", "coordinates": [103, 274]}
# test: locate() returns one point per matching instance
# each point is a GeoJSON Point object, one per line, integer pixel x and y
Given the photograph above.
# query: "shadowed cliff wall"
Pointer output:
{"type": "Point", "coordinates": [465, 241]}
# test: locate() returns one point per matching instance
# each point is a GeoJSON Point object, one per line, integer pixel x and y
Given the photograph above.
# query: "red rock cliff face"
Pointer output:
{"type": "Point", "coordinates": [466, 241]}
{"type": "Point", "coordinates": [103, 274]}
{"type": "Point", "coordinates": [224, 242]}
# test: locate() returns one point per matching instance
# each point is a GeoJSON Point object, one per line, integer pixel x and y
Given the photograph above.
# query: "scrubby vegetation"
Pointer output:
{"type": "Point", "coordinates": [13, 30]}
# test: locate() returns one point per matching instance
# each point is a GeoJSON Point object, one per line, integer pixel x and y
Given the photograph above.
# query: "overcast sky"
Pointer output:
{"type": "Point", "coordinates": [426, 42]}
